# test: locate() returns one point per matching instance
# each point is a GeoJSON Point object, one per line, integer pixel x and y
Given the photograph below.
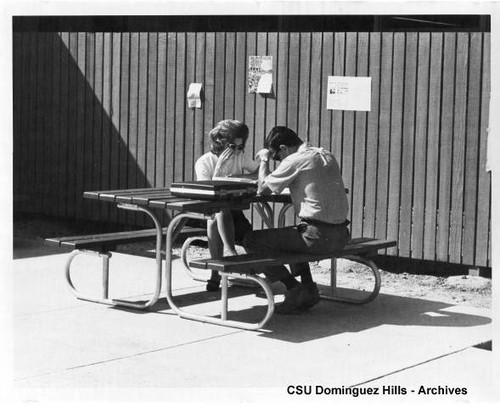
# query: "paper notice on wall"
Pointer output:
{"type": "Point", "coordinates": [260, 74]}
{"type": "Point", "coordinates": [265, 83]}
{"type": "Point", "coordinates": [349, 93]}
{"type": "Point", "coordinates": [194, 95]}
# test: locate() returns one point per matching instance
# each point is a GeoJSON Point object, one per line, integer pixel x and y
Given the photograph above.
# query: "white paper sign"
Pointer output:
{"type": "Point", "coordinates": [349, 93]}
{"type": "Point", "coordinates": [260, 74]}
{"type": "Point", "coordinates": [194, 95]}
{"type": "Point", "coordinates": [265, 83]}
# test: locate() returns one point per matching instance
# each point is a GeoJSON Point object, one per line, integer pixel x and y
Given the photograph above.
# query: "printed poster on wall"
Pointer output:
{"type": "Point", "coordinates": [349, 93]}
{"type": "Point", "coordinates": [260, 74]}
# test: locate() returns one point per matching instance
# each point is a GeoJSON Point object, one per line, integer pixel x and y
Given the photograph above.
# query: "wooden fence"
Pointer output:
{"type": "Point", "coordinates": [108, 110]}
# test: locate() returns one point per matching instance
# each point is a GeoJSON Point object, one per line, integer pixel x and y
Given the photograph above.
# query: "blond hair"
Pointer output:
{"type": "Point", "coordinates": [225, 132]}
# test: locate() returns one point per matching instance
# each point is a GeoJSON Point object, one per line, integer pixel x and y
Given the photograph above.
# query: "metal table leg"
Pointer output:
{"type": "Point", "coordinates": [266, 213]}
{"type": "Point", "coordinates": [282, 213]}
{"type": "Point", "coordinates": [224, 282]}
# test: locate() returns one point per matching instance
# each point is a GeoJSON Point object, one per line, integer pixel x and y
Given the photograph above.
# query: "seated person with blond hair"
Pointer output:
{"type": "Point", "coordinates": [226, 158]}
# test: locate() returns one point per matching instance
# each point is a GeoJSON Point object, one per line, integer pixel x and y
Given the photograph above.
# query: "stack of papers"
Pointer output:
{"type": "Point", "coordinates": [286, 191]}
{"type": "Point", "coordinates": [236, 179]}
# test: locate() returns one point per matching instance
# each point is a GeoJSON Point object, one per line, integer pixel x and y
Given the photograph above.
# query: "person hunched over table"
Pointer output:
{"type": "Point", "coordinates": [319, 198]}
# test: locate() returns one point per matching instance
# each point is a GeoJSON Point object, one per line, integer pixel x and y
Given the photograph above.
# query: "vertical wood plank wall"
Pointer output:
{"type": "Point", "coordinates": [108, 110]}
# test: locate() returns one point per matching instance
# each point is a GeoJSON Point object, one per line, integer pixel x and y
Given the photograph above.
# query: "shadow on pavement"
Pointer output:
{"type": "Point", "coordinates": [324, 320]}
{"type": "Point", "coordinates": [333, 318]}
{"type": "Point", "coordinates": [330, 318]}
{"type": "Point", "coordinates": [24, 248]}
{"type": "Point", "coordinates": [27, 248]}
{"type": "Point", "coordinates": [191, 299]}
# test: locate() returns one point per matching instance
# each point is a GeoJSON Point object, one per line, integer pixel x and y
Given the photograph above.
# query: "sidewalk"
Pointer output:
{"type": "Point", "coordinates": [66, 348]}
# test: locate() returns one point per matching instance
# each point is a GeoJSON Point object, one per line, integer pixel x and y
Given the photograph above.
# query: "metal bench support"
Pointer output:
{"type": "Point", "coordinates": [105, 271]}
{"type": "Point", "coordinates": [265, 211]}
{"type": "Point", "coordinates": [351, 300]}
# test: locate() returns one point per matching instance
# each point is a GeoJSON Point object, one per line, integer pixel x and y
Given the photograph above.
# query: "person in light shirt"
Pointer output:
{"type": "Point", "coordinates": [226, 158]}
{"type": "Point", "coordinates": [319, 198]}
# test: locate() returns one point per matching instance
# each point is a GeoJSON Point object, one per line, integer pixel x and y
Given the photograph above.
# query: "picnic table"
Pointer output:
{"type": "Point", "coordinates": [150, 200]}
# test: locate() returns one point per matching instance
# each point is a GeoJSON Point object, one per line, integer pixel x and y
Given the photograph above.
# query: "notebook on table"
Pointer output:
{"type": "Point", "coordinates": [214, 189]}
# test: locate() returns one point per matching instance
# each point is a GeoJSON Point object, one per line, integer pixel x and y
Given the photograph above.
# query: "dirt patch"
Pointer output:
{"type": "Point", "coordinates": [463, 290]}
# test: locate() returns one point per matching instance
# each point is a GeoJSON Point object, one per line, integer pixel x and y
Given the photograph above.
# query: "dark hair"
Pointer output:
{"type": "Point", "coordinates": [282, 135]}
{"type": "Point", "coordinates": [225, 132]}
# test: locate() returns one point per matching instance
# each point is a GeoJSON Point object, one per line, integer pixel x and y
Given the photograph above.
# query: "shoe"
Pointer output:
{"type": "Point", "coordinates": [312, 289]}
{"type": "Point", "coordinates": [297, 299]}
{"type": "Point", "coordinates": [213, 285]}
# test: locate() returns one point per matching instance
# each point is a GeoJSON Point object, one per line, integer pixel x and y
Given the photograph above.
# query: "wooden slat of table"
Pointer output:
{"type": "Point", "coordinates": [207, 207]}
{"type": "Point", "coordinates": [161, 198]}
{"type": "Point", "coordinates": [145, 199]}
{"type": "Point", "coordinates": [285, 198]}
{"type": "Point", "coordinates": [135, 192]}
{"type": "Point", "coordinates": [111, 195]}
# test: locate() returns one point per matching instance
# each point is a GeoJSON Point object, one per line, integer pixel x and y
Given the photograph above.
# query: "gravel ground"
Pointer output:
{"type": "Point", "coordinates": [462, 289]}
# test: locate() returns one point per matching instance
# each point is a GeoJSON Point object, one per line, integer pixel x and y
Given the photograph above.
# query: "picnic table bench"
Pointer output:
{"type": "Point", "coordinates": [360, 250]}
{"type": "Point", "coordinates": [102, 245]}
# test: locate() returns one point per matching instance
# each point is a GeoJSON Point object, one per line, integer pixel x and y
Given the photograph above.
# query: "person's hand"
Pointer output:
{"type": "Point", "coordinates": [226, 155]}
{"type": "Point", "coordinates": [222, 161]}
{"type": "Point", "coordinates": [263, 154]}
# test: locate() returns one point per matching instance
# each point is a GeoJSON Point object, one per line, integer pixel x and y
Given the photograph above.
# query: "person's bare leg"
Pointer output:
{"type": "Point", "coordinates": [225, 226]}
{"type": "Point", "coordinates": [216, 248]}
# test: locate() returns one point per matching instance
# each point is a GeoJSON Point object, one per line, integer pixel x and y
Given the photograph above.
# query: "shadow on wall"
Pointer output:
{"type": "Point", "coordinates": [77, 125]}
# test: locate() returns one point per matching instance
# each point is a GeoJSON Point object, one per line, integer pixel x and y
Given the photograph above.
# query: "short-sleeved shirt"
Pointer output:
{"type": "Point", "coordinates": [316, 186]}
{"type": "Point", "coordinates": [238, 164]}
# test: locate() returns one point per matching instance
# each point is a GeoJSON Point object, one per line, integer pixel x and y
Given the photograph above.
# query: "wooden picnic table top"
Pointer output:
{"type": "Point", "coordinates": [162, 198]}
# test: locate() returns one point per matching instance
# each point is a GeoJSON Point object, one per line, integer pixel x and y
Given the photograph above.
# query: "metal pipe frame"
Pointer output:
{"type": "Point", "coordinates": [197, 276]}
{"type": "Point", "coordinates": [266, 213]}
{"type": "Point", "coordinates": [224, 286]}
{"type": "Point", "coordinates": [185, 262]}
{"type": "Point", "coordinates": [105, 279]}
{"type": "Point", "coordinates": [350, 300]}
{"type": "Point", "coordinates": [282, 213]}
{"type": "Point", "coordinates": [105, 276]}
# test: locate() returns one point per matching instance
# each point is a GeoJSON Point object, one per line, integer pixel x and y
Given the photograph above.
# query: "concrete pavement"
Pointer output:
{"type": "Point", "coordinates": [70, 349]}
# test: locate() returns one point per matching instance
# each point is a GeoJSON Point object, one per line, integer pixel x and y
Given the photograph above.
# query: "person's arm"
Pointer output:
{"type": "Point", "coordinates": [264, 156]}
{"type": "Point", "coordinates": [202, 170]}
{"type": "Point", "coordinates": [279, 179]}
{"type": "Point", "coordinates": [251, 166]}
{"type": "Point", "coordinates": [249, 170]}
